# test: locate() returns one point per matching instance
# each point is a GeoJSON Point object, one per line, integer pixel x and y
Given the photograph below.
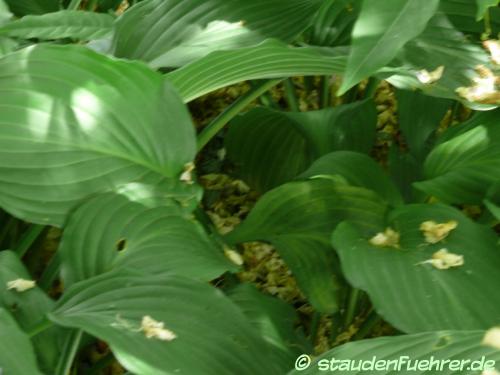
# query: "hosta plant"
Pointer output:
{"type": "Point", "coordinates": [358, 145]}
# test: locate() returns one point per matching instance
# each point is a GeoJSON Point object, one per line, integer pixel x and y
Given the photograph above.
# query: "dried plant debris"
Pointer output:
{"type": "Point", "coordinates": [156, 329]}
{"type": "Point", "coordinates": [233, 256]}
{"type": "Point", "coordinates": [492, 338]}
{"type": "Point", "coordinates": [428, 78]}
{"type": "Point", "coordinates": [435, 232]}
{"type": "Point", "coordinates": [21, 285]}
{"type": "Point", "coordinates": [387, 238]}
{"type": "Point", "coordinates": [493, 47]}
{"type": "Point", "coordinates": [186, 175]}
{"type": "Point", "coordinates": [484, 87]}
{"type": "Point", "coordinates": [443, 260]}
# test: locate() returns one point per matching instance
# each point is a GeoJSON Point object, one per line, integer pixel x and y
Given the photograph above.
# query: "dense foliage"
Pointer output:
{"type": "Point", "coordinates": [363, 147]}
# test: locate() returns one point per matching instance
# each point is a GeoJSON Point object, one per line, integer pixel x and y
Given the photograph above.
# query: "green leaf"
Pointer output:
{"type": "Point", "coordinates": [171, 33]}
{"type": "Point", "coordinates": [28, 308]}
{"type": "Point", "coordinates": [267, 148]}
{"type": "Point", "coordinates": [63, 24]}
{"type": "Point", "coordinates": [298, 217]}
{"type": "Point", "coordinates": [416, 297]}
{"type": "Point", "coordinates": [440, 45]}
{"type": "Point", "coordinates": [208, 326]}
{"type": "Point", "coordinates": [492, 201]}
{"type": "Point", "coordinates": [274, 320]}
{"type": "Point", "coordinates": [332, 25]}
{"type": "Point", "coordinates": [359, 170]}
{"type": "Point", "coordinates": [111, 231]}
{"type": "Point", "coordinates": [22, 7]}
{"type": "Point", "coordinates": [462, 169]}
{"type": "Point", "coordinates": [381, 29]}
{"type": "Point", "coordinates": [482, 7]}
{"type": "Point", "coordinates": [419, 118]}
{"type": "Point", "coordinates": [271, 59]}
{"type": "Point", "coordinates": [451, 348]}
{"type": "Point", "coordinates": [462, 13]}
{"type": "Point", "coordinates": [16, 353]}
{"type": "Point", "coordinates": [75, 123]}
{"type": "Point", "coordinates": [272, 147]}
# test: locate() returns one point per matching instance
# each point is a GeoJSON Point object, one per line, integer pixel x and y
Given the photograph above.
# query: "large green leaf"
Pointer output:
{"type": "Point", "coordinates": [62, 24]}
{"type": "Point", "coordinates": [440, 45]}
{"type": "Point", "coordinates": [213, 336]}
{"type": "Point", "coordinates": [272, 147]}
{"type": "Point", "coordinates": [462, 169]}
{"type": "Point", "coordinates": [16, 353]}
{"type": "Point", "coordinates": [112, 231]}
{"type": "Point", "coordinates": [381, 29]}
{"type": "Point", "coordinates": [171, 33]}
{"type": "Point", "coordinates": [28, 308]}
{"type": "Point", "coordinates": [452, 349]}
{"type": "Point", "coordinates": [270, 59]}
{"type": "Point", "coordinates": [359, 170]}
{"type": "Point", "coordinates": [415, 296]}
{"type": "Point", "coordinates": [274, 320]}
{"type": "Point", "coordinates": [298, 217]}
{"type": "Point", "coordinates": [492, 200]}
{"type": "Point", "coordinates": [22, 7]}
{"type": "Point", "coordinates": [75, 122]}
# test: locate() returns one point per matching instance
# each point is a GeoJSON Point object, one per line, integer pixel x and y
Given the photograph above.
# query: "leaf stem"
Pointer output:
{"type": "Point", "coordinates": [291, 97]}
{"type": "Point", "coordinates": [367, 326]}
{"type": "Point", "coordinates": [325, 92]}
{"type": "Point", "coordinates": [371, 87]}
{"type": "Point", "coordinates": [233, 110]}
{"type": "Point", "coordinates": [74, 4]}
{"type": "Point", "coordinates": [69, 351]}
{"type": "Point", "coordinates": [29, 238]}
{"type": "Point", "coordinates": [351, 307]}
{"type": "Point", "coordinates": [50, 273]}
{"type": "Point", "coordinates": [40, 327]}
{"type": "Point", "coordinates": [314, 327]}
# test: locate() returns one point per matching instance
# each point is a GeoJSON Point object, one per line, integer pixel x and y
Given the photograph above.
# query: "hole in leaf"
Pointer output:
{"type": "Point", "coordinates": [121, 244]}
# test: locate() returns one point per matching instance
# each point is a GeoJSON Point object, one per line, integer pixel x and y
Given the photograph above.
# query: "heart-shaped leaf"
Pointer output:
{"type": "Point", "coordinates": [75, 123]}
{"type": "Point", "coordinates": [407, 290]}
{"type": "Point", "coordinates": [113, 231]}
{"type": "Point", "coordinates": [206, 325]}
{"type": "Point", "coordinates": [298, 217]}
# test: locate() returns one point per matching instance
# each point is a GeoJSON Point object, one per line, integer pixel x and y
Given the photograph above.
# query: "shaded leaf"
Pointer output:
{"type": "Point", "coordinates": [23, 7]}
{"type": "Point", "coordinates": [461, 169]}
{"type": "Point", "coordinates": [274, 320]}
{"type": "Point", "coordinates": [298, 217]}
{"type": "Point", "coordinates": [359, 170]}
{"type": "Point", "coordinates": [16, 353]}
{"type": "Point", "coordinates": [28, 308]}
